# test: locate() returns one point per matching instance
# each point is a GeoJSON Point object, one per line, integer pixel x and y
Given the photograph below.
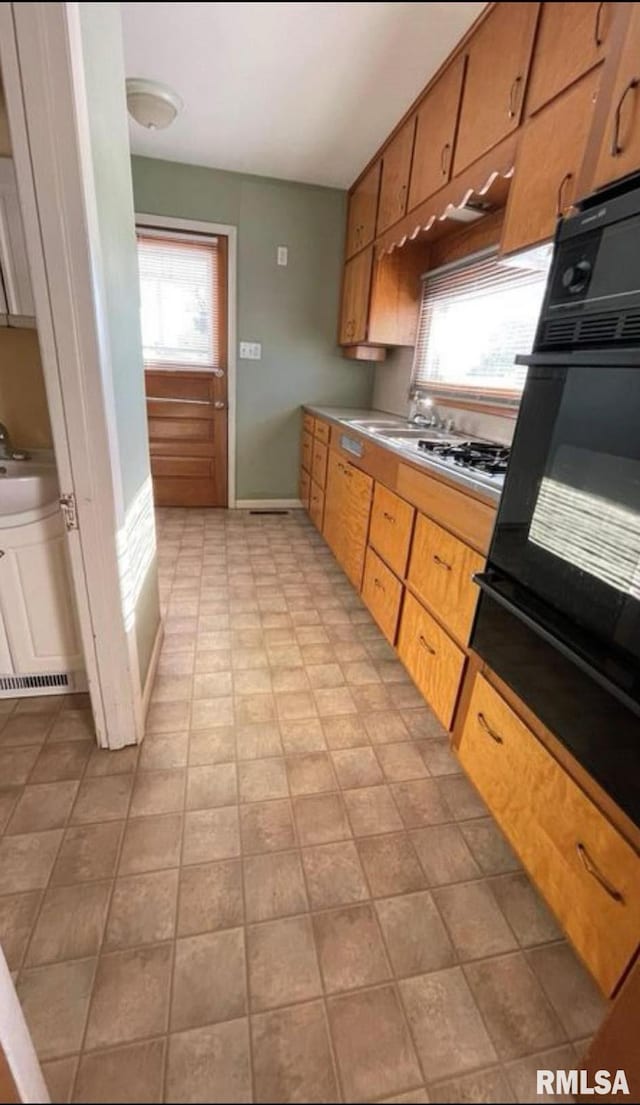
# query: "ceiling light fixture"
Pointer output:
{"type": "Point", "coordinates": [153, 105]}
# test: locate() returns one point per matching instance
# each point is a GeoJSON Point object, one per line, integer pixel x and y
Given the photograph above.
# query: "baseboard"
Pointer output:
{"type": "Point", "coordinates": [152, 669]}
{"type": "Point", "coordinates": [268, 504]}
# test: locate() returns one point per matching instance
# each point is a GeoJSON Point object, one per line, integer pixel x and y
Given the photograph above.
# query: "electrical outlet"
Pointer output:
{"type": "Point", "coordinates": [250, 351]}
{"type": "Point", "coordinates": [283, 255]}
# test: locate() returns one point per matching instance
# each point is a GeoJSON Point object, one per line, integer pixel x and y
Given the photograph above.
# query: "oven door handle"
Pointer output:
{"type": "Point", "coordinates": [486, 581]}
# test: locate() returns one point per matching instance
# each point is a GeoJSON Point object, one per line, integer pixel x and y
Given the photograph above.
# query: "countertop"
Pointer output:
{"type": "Point", "coordinates": [481, 487]}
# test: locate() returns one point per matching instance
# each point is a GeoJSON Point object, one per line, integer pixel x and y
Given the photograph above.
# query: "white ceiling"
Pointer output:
{"type": "Point", "coordinates": [299, 91]}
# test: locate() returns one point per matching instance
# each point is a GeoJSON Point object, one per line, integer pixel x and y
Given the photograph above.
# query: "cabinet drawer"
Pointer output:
{"type": "Point", "coordinates": [322, 431]}
{"type": "Point", "coordinates": [319, 463]}
{"type": "Point", "coordinates": [433, 661]}
{"type": "Point", "coordinates": [316, 504]}
{"type": "Point", "coordinates": [391, 525]}
{"type": "Point", "coordinates": [305, 487]}
{"type": "Point", "coordinates": [587, 872]}
{"type": "Point", "coordinates": [382, 593]}
{"type": "Point", "coordinates": [467, 517]}
{"type": "Point", "coordinates": [441, 570]}
{"type": "Point", "coordinates": [307, 450]}
{"type": "Point", "coordinates": [308, 422]}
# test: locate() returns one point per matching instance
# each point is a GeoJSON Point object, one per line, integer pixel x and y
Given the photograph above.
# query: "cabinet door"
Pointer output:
{"type": "Point", "coordinates": [546, 169]}
{"type": "Point", "coordinates": [396, 166]}
{"type": "Point", "coordinates": [363, 208]}
{"type": "Point", "coordinates": [441, 572]}
{"type": "Point", "coordinates": [391, 528]}
{"type": "Point", "coordinates": [13, 251]}
{"type": "Point", "coordinates": [433, 661]}
{"type": "Point", "coordinates": [497, 66]}
{"type": "Point", "coordinates": [355, 510]}
{"type": "Point", "coordinates": [36, 599]}
{"type": "Point", "coordinates": [571, 40]}
{"type": "Point", "coordinates": [316, 505]}
{"type": "Point", "coordinates": [355, 298]}
{"type": "Point", "coordinates": [620, 151]}
{"type": "Point", "coordinates": [382, 593]}
{"type": "Point", "coordinates": [435, 134]}
{"type": "Point", "coordinates": [333, 504]}
{"type": "Point", "coordinates": [583, 867]}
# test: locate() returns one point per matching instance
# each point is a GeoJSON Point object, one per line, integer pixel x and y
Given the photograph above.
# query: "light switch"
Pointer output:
{"type": "Point", "coordinates": [283, 255]}
{"type": "Point", "coordinates": [250, 351]}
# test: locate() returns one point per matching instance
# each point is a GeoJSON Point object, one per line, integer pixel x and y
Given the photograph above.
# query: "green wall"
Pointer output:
{"type": "Point", "coordinates": [103, 60]}
{"type": "Point", "coordinates": [292, 311]}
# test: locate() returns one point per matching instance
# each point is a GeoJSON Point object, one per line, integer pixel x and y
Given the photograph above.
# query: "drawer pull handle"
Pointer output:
{"type": "Point", "coordinates": [597, 34]}
{"type": "Point", "coordinates": [389, 517]}
{"type": "Point", "coordinates": [616, 146]}
{"type": "Point", "coordinates": [514, 97]}
{"type": "Point", "coordinates": [378, 584]}
{"type": "Point", "coordinates": [425, 644]}
{"type": "Point", "coordinates": [591, 868]}
{"type": "Point", "coordinates": [440, 562]}
{"type": "Point", "coordinates": [484, 724]}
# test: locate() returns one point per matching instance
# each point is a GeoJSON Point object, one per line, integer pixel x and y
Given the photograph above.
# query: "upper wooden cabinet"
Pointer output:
{"type": "Point", "coordinates": [356, 288]}
{"type": "Point", "coordinates": [572, 38]}
{"type": "Point", "coordinates": [620, 150]}
{"type": "Point", "coordinates": [437, 119]}
{"type": "Point", "coordinates": [396, 167]}
{"type": "Point", "coordinates": [395, 296]}
{"type": "Point", "coordinates": [544, 182]}
{"type": "Point", "coordinates": [363, 208]}
{"type": "Point", "coordinates": [498, 62]}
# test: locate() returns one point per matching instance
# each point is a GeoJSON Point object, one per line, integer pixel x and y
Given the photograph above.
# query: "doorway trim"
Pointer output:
{"type": "Point", "coordinates": [175, 225]}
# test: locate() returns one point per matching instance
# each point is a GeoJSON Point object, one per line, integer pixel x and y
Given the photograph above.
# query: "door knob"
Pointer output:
{"type": "Point", "coordinates": [219, 404]}
{"type": "Point", "coordinates": [219, 372]}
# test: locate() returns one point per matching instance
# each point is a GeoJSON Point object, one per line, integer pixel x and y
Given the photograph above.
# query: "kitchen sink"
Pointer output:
{"type": "Point", "coordinates": [26, 485]}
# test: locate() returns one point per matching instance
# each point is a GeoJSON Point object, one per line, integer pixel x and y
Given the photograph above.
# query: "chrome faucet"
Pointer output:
{"type": "Point", "coordinates": [7, 451]}
{"type": "Point", "coordinates": [6, 448]}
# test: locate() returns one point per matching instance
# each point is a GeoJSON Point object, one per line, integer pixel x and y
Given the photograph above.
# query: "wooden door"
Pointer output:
{"type": "Point", "coordinates": [620, 150]}
{"type": "Point", "coordinates": [187, 419]}
{"type": "Point", "coordinates": [498, 63]}
{"type": "Point", "coordinates": [441, 572]}
{"type": "Point", "coordinates": [382, 593]}
{"type": "Point", "coordinates": [433, 661]}
{"type": "Point", "coordinates": [396, 167]}
{"type": "Point", "coordinates": [544, 183]}
{"type": "Point", "coordinates": [571, 39]}
{"type": "Point", "coordinates": [363, 209]}
{"type": "Point", "coordinates": [435, 134]}
{"type": "Point", "coordinates": [356, 289]}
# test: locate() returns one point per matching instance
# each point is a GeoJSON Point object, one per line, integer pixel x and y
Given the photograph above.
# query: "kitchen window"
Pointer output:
{"type": "Point", "coordinates": [182, 301]}
{"type": "Point", "coordinates": [475, 316]}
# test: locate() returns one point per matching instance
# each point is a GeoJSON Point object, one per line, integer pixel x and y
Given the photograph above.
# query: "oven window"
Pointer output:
{"type": "Point", "coordinates": [474, 318]}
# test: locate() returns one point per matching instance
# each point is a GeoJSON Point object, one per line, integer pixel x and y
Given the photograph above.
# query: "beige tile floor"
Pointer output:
{"type": "Point", "coordinates": [289, 893]}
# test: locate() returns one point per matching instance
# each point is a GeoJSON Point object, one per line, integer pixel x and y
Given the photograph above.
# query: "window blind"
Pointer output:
{"type": "Point", "coordinates": [474, 318]}
{"type": "Point", "coordinates": [182, 301]}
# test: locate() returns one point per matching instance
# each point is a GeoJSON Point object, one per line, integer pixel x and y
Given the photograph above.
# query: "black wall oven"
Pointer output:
{"type": "Point", "coordinates": [559, 614]}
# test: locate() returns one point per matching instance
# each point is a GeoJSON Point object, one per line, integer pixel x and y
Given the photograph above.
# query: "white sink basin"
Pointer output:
{"type": "Point", "coordinates": [27, 485]}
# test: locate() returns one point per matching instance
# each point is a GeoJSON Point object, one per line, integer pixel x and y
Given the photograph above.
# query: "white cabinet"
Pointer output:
{"type": "Point", "coordinates": [16, 297]}
{"type": "Point", "coordinates": [36, 601]}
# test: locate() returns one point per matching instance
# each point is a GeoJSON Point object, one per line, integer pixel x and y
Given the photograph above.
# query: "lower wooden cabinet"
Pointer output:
{"type": "Point", "coordinates": [391, 528]}
{"type": "Point", "coordinates": [307, 450]}
{"type": "Point", "coordinates": [434, 662]}
{"type": "Point", "coordinates": [441, 571]}
{"type": "Point", "coordinates": [305, 487]}
{"type": "Point", "coordinates": [346, 515]}
{"type": "Point", "coordinates": [316, 505]}
{"type": "Point", "coordinates": [587, 872]}
{"type": "Point", "coordinates": [382, 592]}
{"type": "Point", "coordinates": [319, 463]}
